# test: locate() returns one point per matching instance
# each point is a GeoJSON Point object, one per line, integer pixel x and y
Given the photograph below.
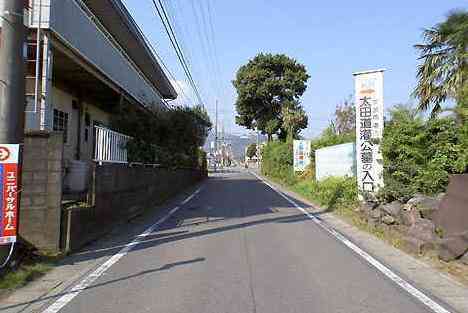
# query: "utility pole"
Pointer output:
{"type": "Point", "coordinates": [12, 97]}
{"type": "Point", "coordinates": [12, 72]}
{"type": "Point", "coordinates": [258, 149]}
{"type": "Point", "coordinates": [216, 135]}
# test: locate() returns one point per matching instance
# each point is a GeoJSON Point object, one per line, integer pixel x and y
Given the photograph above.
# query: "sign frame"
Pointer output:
{"type": "Point", "coordinates": [10, 178]}
{"type": "Point", "coordinates": [301, 154]}
{"type": "Point", "coordinates": [369, 101]}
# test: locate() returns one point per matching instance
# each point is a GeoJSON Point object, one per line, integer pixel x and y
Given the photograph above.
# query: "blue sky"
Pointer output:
{"type": "Point", "coordinates": [331, 38]}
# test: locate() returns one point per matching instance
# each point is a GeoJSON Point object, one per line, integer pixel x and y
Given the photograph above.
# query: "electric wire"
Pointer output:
{"type": "Point", "coordinates": [175, 44]}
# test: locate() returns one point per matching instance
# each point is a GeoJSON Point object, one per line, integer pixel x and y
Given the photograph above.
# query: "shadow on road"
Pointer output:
{"type": "Point", "coordinates": [226, 203]}
{"type": "Point", "coordinates": [113, 281]}
{"type": "Point", "coordinates": [223, 205]}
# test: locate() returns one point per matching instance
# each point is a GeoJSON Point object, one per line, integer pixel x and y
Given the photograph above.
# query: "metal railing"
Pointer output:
{"type": "Point", "coordinates": [110, 146]}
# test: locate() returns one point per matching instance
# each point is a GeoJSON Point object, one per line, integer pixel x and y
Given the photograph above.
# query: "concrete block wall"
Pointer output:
{"type": "Point", "coordinates": [120, 193]}
{"type": "Point", "coordinates": [40, 211]}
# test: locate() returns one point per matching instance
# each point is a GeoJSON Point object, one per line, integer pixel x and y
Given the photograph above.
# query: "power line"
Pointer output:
{"type": "Point", "coordinates": [161, 61]}
{"type": "Point", "coordinates": [175, 44]}
{"type": "Point", "coordinates": [171, 9]}
{"type": "Point", "coordinates": [204, 46]}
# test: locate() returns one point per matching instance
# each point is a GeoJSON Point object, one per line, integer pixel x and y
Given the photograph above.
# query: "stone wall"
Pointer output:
{"type": "Point", "coordinates": [436, 225]}
{"type": "Point", "coordinates": [121, 192]}
{"type": "Point", "coordinates": [40, 212]}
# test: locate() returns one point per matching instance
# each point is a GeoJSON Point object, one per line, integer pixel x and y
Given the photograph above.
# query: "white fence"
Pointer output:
{"type": "Point", "coordinates": [110, 146]}
{"type": "Point", "coordinates": [338, 160]}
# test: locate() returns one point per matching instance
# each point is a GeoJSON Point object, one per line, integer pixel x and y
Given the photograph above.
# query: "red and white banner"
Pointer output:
{"type": "Point", "coordinates": [9, 181]}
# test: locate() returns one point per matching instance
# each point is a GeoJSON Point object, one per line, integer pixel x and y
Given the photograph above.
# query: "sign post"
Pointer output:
{"type": "Point", "coordinates": [301, 149]}
{"type": "Point", "coordinates": [369, 130]}
{"type": "Point", "coordinates": [9, 189]}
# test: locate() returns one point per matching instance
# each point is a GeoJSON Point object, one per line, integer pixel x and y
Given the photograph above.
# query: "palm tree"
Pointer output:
{"type": "Point", "coordinates": [443, 73]}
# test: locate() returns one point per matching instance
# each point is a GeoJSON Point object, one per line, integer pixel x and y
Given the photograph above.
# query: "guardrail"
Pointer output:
{"type": "Point", "coordinates": [110, 146]}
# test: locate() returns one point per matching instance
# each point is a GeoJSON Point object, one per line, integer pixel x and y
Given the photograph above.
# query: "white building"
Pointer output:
{"type": "Point", "coordinates": [92, 59]}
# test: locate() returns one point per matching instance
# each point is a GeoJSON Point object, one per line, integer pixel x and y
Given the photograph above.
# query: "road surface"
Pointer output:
{"type": "Point", "coordinates": [239, 247]}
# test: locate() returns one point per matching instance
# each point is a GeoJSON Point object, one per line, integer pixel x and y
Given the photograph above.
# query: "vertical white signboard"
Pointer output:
{"type": "Point", "coordinates": [369, 129]}
{"type": "Point", "coordinates": [301, 149]}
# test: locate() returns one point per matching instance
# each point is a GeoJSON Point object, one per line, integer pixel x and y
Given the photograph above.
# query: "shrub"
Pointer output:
{"type": "Point", "coordinates": [277, 161]}
{"type": "Point", "coordinates": [170, 137]}
{"type": "Point", "coordinates": [420, 155]}
{"type": "Point", "coordinates": [332, 192]}
{"type": "Point", "coordinates": [252, 151]}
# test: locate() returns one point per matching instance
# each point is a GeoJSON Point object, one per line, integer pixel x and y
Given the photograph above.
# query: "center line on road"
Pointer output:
{"type": "Point", "coordinates": [405, 285]}
{"type": "Point", "coordinates": [88, 280]}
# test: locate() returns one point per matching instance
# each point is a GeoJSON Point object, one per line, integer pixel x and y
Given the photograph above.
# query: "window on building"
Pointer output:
{"type": "Point", "coordinates": [61, 123]}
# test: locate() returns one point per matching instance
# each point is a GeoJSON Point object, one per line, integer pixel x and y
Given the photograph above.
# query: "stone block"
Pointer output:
{"type": "Point", "coordinates": [31, 221]}
{"type": "Point", "coordinates": [26, 177]}
{"type": "Point", "coordinates": [453, 247]}
{"type": "Point", "coordinates": [376, 214]}
{"type": "Point", "coordinates": [464, 258]}
{"type": "Point", "coordinates": [26, 201]}
{"type": "Point", "coordinates": [35, 166]}
{"type": "Point", "coordinates": [39, 176]}
{"type": "Point", "coordinates": [55, 178]}
{"type": "Point", "coordinates": [39, 200]}
{"type": "Point", "coordinates": [417, 246]}
{"type": "Point", "coordinates": [55, 154]}
{"type": "Point", "coordinates": [392, 208]}
{"type": "Point", "coordinates": [425, 204]}
{"type": "Point", "coordinates": [54, 165]}
{"type": "Point", "coordinates": [409, 217]}
{"type": "Point", "coordinates": [452, 215]}
{"type": "Point", "coordinates": [388, 219]}
{"type": "Point", "coordinates": [423, 229]}
{"type": "Point", "coordinates": [38, 189]}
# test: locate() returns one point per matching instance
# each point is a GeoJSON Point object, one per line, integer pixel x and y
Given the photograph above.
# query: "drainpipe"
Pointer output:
{"type": "Point", "coordinates": [38, 55]}
{"type": "Point", "coordinates": [80, 117]}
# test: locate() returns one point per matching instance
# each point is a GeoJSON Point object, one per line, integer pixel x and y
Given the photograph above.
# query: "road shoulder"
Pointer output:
{"type": "Point", "coordinates": [438, 284]}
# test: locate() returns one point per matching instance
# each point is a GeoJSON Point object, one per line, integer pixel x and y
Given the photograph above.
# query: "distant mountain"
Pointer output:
{"type": "Point", "coordinates": [238, 143]}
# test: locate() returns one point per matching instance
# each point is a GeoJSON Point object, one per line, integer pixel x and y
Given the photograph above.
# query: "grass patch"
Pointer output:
{"type": "Point", "coordinates": [24, 274]}
{"type": "Point", "coordinates": [339, 195]}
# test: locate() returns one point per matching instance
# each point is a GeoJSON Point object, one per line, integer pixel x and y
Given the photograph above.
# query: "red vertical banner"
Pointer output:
{"type": "Point", "coordinates": [9, 179]}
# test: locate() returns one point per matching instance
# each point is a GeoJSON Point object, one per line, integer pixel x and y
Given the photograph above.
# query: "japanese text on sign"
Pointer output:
{"type": "Point", "coordinates": [9, 193]}
{"type": "Point", "coordinates": [369, 127]}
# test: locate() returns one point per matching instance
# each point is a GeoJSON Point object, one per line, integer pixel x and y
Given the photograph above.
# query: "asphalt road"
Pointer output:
{"type": "Point", "coordinates": [239, 247]}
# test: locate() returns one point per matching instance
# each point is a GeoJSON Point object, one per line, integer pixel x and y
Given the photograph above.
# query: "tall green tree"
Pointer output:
{"type": "Point", "coordinates": [252, 150]}
{"type": "Point", "coordinates": [294, 120]}
{"type": "Point", "coordinates": [443, 72]}
{"type": "Point", "coordinates": [264, 86]}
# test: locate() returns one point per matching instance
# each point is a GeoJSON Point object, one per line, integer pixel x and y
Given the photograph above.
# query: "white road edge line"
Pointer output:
{"type": "Point", "coordinates": [88, 280]}
{"type": "Point", "coordinates": [405, 285]}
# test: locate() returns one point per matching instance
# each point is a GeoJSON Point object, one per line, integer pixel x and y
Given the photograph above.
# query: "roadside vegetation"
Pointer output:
{"type": "Point", "coordinates": [26, 267]}
{"type": "Point", "coordinates": [24, 274]}
{"type": "Point", "coordinates": [420, 151]}
{"type": "Point", "coordinates": [420, 154]}
{"type": "Point", "coordinates": [269, 88]}
{"type": "Point", "coordinates": [251, 151]}
{"type": "Point", "coordinates": [171, 137]}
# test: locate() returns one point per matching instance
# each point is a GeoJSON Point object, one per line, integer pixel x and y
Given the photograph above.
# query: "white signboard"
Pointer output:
{"type": "Point", "coordinates": [369, 129]}
{"type": "Point", "coordinates": [301, 154]}
{"type": "Point", "coordinates": [338, 161]}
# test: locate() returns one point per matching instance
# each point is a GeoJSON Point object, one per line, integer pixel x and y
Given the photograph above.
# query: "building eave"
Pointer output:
{"type": "Point", "coordinates": [113, 15]}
